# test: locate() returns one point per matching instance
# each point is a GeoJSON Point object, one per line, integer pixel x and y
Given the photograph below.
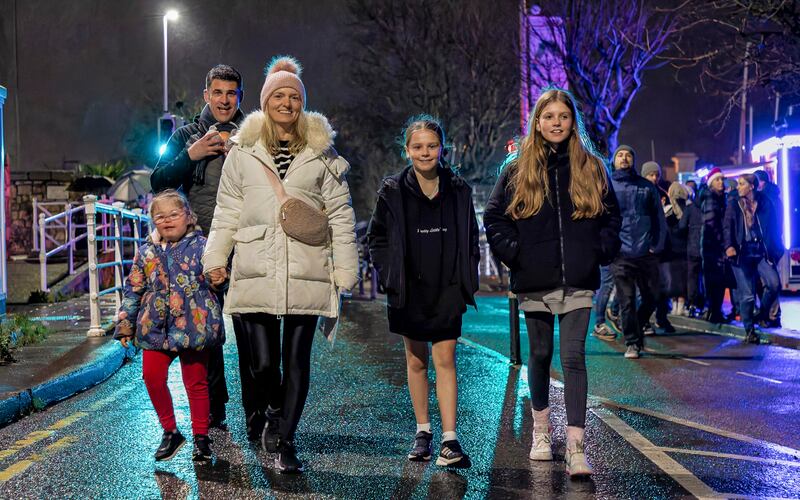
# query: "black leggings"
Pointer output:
{"type": "Point", "coordinates": [572, 344]}
{"type": "Point", "coordinates": [287, 391]}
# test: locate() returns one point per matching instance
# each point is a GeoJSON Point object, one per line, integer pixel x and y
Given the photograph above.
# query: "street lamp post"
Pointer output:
{"type": "Point", "coordinates": [171, 15]}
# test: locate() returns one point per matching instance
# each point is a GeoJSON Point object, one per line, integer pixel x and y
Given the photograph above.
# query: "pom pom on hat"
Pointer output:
{"type": "Point", "coordinates": [713, 174]}
{"type": "Point", "coordinates": [282, 72]}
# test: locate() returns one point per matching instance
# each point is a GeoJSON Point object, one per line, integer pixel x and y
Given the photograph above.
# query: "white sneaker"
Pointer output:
{"type": "Point", "coordinates": [542, 447]}
{"type": "Point", "coordinates": [576, 461]}
{"type": "Point", "coordinates": [632, 352]}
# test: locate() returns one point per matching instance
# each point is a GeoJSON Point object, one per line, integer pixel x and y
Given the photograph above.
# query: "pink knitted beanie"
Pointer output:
{"type": "Point", "coordinates": [283, 71]}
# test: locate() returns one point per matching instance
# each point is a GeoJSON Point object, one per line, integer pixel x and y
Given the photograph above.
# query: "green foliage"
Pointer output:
{"type": "Point", "coordinates": [18, 331]}
{"type": "Point", "coordinates": [112, 170]}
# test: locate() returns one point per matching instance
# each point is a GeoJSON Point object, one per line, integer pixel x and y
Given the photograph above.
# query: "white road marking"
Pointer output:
{"type": "Point", "coordinates": [702, 427]}
{"type": "Point", "coordinates": [760, 377]}
{"type": "Point", "coordinates": [748, 497]}
{"type": "Point", "coordinates": [676, 471]}
{"type": "Point", "coordinates": [747, 458]}
{"type": "Point", "coordinates": [696, 361]}
{"type": "Point", "coordinates": [644, 411]}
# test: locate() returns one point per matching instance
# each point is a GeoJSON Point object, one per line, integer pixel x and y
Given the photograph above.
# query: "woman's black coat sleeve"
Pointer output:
{"type": "Point", "coordinates": [501, 230]}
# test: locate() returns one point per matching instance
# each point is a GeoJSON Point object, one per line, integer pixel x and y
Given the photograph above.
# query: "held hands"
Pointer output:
{"type": "Point", "coordinates": [210, 144]}
{"type": "Point", "coordinates": [217, 276]}
{"type": "Point", "coordinates": [125, 340]}
{"type": "Point", "coordinates": [730, 252]}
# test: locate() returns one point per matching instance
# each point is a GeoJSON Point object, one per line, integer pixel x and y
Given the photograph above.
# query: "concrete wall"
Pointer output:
{"type": "Point", "coordinates": [24, 187]}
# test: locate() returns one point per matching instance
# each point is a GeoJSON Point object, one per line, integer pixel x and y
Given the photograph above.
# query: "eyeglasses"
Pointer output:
{"type": "Point", "coordinates": [174, 215]}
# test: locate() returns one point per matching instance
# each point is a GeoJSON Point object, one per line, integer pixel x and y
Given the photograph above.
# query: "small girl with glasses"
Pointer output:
{"type": "Point", "coordinates": [169, 312]}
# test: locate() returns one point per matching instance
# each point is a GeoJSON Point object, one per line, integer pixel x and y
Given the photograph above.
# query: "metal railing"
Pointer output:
{"type": "Point", "coordinates": [46, 208]}
{"type": "Point", "coordinates": [122, 221]}
{"type": "Point", "coordinates": [65, 221]}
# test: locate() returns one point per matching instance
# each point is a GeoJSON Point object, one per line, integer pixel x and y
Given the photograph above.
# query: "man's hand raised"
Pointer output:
{"type": "Point", "coordinates": [210, 144]}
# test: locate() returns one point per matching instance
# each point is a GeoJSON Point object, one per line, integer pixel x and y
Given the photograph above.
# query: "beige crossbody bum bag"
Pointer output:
{"type": "Point", "coordinates": [298, 219]}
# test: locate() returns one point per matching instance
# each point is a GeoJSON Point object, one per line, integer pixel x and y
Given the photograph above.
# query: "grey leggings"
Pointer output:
{"type": "Point", "coordinates": [572, 343]}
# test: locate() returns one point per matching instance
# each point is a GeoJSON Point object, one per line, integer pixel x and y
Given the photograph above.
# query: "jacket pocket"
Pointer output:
{"type": "Point", "coordinates": [307, 262]}
{"type": "Point", "coordinates": [250, 257]}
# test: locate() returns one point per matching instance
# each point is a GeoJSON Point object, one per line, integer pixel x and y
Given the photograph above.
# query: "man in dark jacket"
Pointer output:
{"type": "Point", "coordinates": [692, 223]}
{"type": "Point", "coordinates": [643, 234]}
{"type": "Point", "coordinates": [624, 157]}
{"type": "Point", "coordinates": [192, 162]}
{"type": "Point", "coordinates": [712, 206]}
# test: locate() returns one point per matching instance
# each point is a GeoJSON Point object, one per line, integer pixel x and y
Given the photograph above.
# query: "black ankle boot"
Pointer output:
{"type": "Point", "coordinates": [287, 461]}
{"type": "Point", "coordinates": [752, 337]}
{"type": "Point", "coordinates": [202, 448]}
{"type": "Point", "coordinates": [255, 425]}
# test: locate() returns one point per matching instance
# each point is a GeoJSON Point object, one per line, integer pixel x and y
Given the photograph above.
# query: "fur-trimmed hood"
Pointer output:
{"type": "Point", "coordinates": [320, 133]}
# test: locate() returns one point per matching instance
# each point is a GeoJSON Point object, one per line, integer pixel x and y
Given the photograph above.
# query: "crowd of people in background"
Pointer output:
{"type": "Point", "coordinates": [684, 246]}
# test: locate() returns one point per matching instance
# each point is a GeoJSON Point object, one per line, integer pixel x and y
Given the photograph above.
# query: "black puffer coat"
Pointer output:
{"type": "Point", "coordinates": [550, 249]}
{"type": "Point", "coordinates": [387, 240]}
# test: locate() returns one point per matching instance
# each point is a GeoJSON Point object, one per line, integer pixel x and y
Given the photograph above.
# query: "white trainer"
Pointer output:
{"type": "Point", "coordinates": [542, 447]}
{"type": "Point", "coordinates": [576, 461]}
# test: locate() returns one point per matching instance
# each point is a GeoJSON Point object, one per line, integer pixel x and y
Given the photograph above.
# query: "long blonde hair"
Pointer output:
{"type": "Point", "coordinates": [588, 183]}
{"type": "Point", "coordinates": [269, 134]}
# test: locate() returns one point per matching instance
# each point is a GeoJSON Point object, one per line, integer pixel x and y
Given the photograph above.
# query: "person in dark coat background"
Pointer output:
{"type": "Point", "coordinates": [643, 235]}
{"type": "Point", "coordinates": [772, 318]}
{"type": "Point", "coordinates": [752, 242]}
{"type": "Point", "coordinates": [692, 223]}
{"type": "Point", "coordinates": [674, 267]}
{"type": "Point", "coordinates": [712, 206]}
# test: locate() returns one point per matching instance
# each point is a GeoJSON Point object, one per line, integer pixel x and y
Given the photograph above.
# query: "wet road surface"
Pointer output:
{"type": "Point", "coordinates": [358, 425]}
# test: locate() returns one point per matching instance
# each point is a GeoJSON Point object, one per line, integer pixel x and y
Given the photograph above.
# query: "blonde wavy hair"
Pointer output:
{"type": "Point", "coordinates": [588, 182]}
{"type": "Point", "coordinates": [269, 134]}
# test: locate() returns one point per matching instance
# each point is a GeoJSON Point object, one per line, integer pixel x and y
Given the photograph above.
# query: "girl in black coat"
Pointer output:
{"type": "Point", "coordinates": [553, 219]}
{"type": "Point", "coordinates": [423, 240]}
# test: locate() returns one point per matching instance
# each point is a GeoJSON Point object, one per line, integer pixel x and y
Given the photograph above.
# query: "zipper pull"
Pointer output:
{"type": "Point", "coordinates": [283, 214]}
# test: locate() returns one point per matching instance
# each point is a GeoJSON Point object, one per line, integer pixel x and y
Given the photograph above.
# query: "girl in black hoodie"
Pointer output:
{"type": "Point", "coordinates": [553, 219]}
{"type": "Point", "coordinates": [423, 240]}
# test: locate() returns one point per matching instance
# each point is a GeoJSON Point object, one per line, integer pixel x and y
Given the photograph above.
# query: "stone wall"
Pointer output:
{"type": "Point", "coordinates": [42, 185]}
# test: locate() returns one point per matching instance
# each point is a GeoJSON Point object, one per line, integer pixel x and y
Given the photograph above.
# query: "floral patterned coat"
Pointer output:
{"type": "Point", "coordinates": [167, 303]}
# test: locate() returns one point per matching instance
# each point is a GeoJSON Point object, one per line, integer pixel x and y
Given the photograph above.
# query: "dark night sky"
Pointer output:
{"type": "Point", "coordinates": [88, 69]}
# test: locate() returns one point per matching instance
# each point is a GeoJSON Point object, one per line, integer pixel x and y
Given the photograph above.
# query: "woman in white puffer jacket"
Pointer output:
{"type": "Point", "coordinates": [274, 275]}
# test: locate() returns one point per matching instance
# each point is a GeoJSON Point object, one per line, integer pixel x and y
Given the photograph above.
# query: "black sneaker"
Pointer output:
{"type": "Point", "coordinates": [269, 437]}
{"type": "Point", "coordinates": [202, 448]}
{"type": "Point", "coordinates": [666, 326]}
{"type": "Point", "coordinates": [287, 461]}
{"type": "Point", "coordinates": [255, 425]}
{"type": "Point", "coordinates": [451, 455]}
{"type": "Point", "coordinates": [421, 452]}
{"type": "Point", "coordinates": [171, 442]}
{"type": "Point", "coordinates": [752, 337]}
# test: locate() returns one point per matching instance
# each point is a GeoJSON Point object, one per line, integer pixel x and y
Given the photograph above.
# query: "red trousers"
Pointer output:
{"type": "Point", "coordinates": [194, 369]}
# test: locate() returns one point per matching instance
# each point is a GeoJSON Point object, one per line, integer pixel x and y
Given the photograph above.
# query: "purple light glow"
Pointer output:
{"type": "Point", "coordinates": [768, 150]}
{"type": "Point", "coordinates": [787, 226]}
